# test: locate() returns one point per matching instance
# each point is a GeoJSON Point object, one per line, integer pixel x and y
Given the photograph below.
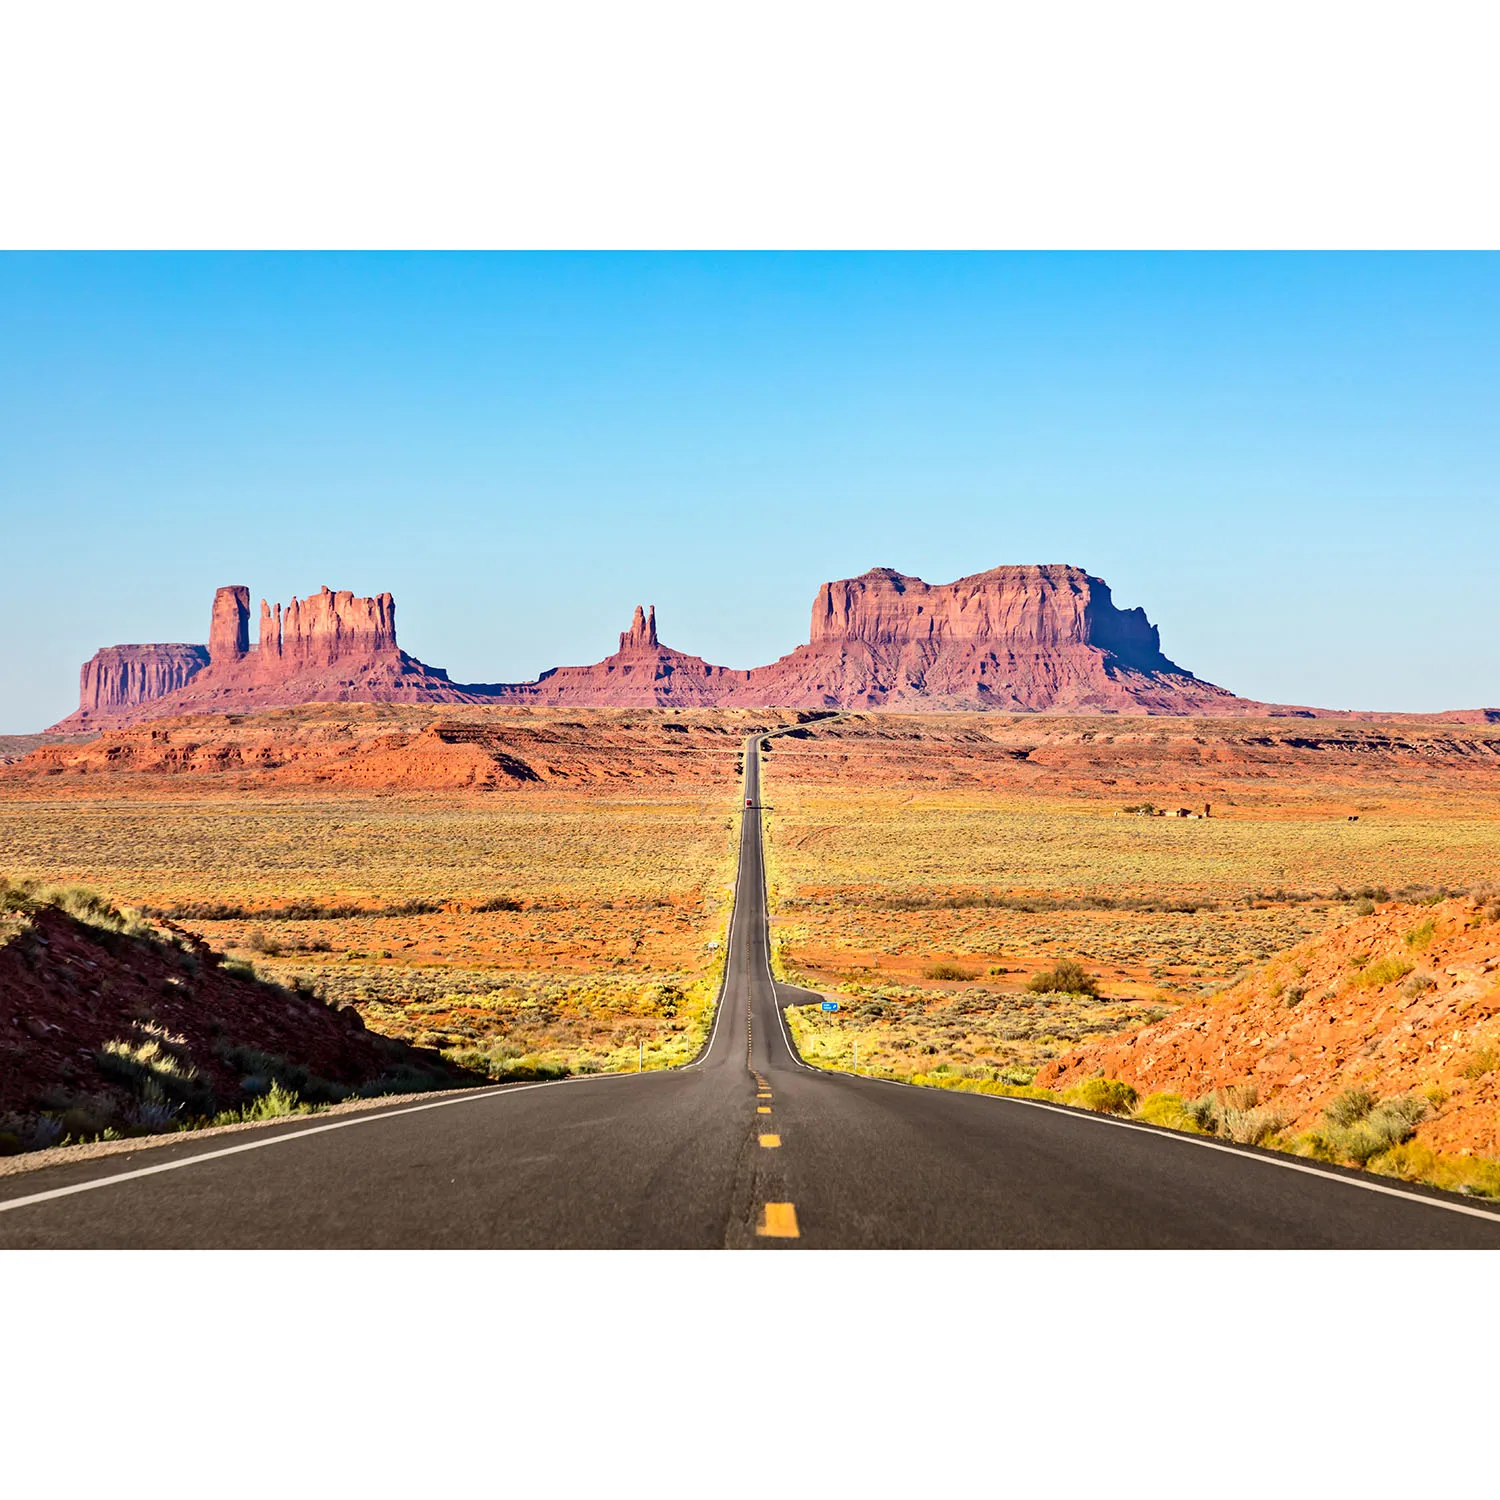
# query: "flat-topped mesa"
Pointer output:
{"type": "Point", "coordinates": [1017, 638]}
{"type": "Point", "coordinates": [1021, 607]}
{"type": "Point", "coordinates": [642, 633]}
{"type": "Point", "coordinates": [116, 677]}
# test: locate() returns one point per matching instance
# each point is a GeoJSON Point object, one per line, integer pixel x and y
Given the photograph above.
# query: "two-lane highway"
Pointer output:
{"type": "Point", "coordinates": [746, 1148]}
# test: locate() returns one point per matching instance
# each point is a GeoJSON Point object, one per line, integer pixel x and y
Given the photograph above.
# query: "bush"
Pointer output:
{"type": "Point", "coordinates": [1065, 977]}
{"type": "Point", "coordinates": [948, 971]}
{"type": "Point", "coordinates": [264, 1072]}
{"type": "Point", "coordinates": [1383, 971]}
{"type": "Point", "coordinates": [1420, 935]}
{"type": "Point", "coordinates": [1168, 1110]}
{"type": "Point", "coordinates": [1482, 1060]}
{"type": "Point", "coordinates": [1364, 907]}
{"type": "Point", "coordinates": [1107, 1095]}
{"type": "Point", "coordinates": [1349, 1107]}
{"type": "Point", "coordinates": [157, 1071]}
{"type": "Point", "coordinates": [1357, 1129]}
{"type": "Point", "coordinates": [271, 1105]}
{"type": "Point", "coordinates": [1249, 1127]}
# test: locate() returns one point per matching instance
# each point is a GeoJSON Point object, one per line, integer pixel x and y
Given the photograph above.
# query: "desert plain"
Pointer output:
{"type": "Point", "coordinates": [531, 891]}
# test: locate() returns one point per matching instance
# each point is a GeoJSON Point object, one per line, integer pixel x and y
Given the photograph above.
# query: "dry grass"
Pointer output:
{"type": "Point", "coordinates": [881, 884]}
{"type": "Point", "coordinates": [565, 929]}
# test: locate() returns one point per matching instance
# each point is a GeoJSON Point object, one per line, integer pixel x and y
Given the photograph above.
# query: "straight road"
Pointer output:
{"type": "Point", "coordinates": [746, 1148]}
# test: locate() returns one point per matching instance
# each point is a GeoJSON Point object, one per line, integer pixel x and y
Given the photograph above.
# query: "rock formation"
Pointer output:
{"type": "Point", "coordinates": [1018, 638]}
{"type": "Point", "coordinates": [641, 674]}
{"type": "Point", "coordinates": [328, 627]}
{"type": "Point", "coordinates": [329, 647]}
{"type": "Point", "coordinates": [642, 633]}
{"type": "Point", "coordinates": [1024, 639]}
{"type": "Point", "coordinates": [116, 678]}
{"type": "Point", "coordinates": [229, 626]}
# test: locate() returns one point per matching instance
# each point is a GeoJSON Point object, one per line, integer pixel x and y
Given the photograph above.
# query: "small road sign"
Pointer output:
{"type": "Point", "coordinates": [829, 1005]}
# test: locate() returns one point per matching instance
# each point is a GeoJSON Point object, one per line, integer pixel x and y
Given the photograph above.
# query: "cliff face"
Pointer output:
{"type": "Point", "coordinates": [325, 628]}
{"type": "Point", "coordinates": [1029, 638]}
{"type": "Point", "coordinates": [229, 626]}
{"type": "Point", "coordinates": [115, 678]}
{"type": "Point", "coordinates": [1013, 638]}
{"type": "Point", "coordinates": [329, 647]}
{"type": "Point", "coordinates": [1012, 607]}
{"type": "Point", "coordinates": [1044, 638]}
{"type": "Point", "coordinates": [642, 633]}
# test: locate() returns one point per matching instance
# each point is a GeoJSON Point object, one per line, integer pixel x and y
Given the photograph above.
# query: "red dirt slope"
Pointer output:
{"type": "Point", "coordinates": [68, 987]}
{"type": "Point", "coordinates": [1404, 1000]}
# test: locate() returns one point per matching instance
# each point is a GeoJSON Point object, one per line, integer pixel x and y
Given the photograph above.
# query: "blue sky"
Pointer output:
{"type": "Point", "coordinates": [1291, 461]}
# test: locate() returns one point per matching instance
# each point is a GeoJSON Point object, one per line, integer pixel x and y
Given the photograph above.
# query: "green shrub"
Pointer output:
{"type": "Point", "coordinates": [1383, 971]}
{"type": "Point", "coordinates": [271, 1105]}
{"type": "Point", "coordinates": [265, 1071]}
{"type": "Point", "coordinates": [157, 1071]}
{"type": "Point", "coordinates": [1168, 1110]}
{"type": "Point", "coordinates": [1482, 1060]}
{"type": "Point", "coordinates": [275, 1102]}
{"type": "Point", "coordinates": [948, 971]}
{"type": "Point", "coordinates": [1350, 1106]}
{"type": "Point", "coordinates": [1107, 1095]}
{"type": "Point", "coordinates": [1065, 977]}
{"type": "Point", "coordinates": [1420, 936]}
{"type": "Point", "coordinates": [1358, 1129]}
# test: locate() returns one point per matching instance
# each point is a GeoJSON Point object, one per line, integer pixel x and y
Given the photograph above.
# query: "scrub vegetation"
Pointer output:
{"type": "Point", "coordinates": [982, 909]}
{"type": "Point", "coordinates": [530, 935]}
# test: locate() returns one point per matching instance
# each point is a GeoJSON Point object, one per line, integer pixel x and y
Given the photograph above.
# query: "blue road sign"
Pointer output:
{"type": "Point", "coordinates": [829, 1005]}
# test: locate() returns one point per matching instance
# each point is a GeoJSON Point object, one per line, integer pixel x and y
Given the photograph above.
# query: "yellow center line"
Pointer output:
{"type": "Point", "coordinates": [779, 1221]}
{"type": "Point", "coordinates": [770, 1140]}
{"type": "Point", "coordinates": [763, 1109]}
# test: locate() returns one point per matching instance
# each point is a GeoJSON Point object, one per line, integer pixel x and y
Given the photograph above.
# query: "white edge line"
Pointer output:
{"type": "Point", "coordinates": [734, 905]}
{"type": "Point", "coordinates": [765, 906]}
{"type": "Point", "coordinates": [1182, 1137]}
{"type": "Point", "coordinates": [1268, 1159]}
{"type": "Point", "coordinates": [389, 1114]}
{"type": "Point", "coordinates": [294, 1135]}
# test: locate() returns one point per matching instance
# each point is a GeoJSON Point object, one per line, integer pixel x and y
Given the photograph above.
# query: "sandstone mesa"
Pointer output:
{"type": "Point", "coordinates": [1022, 638]}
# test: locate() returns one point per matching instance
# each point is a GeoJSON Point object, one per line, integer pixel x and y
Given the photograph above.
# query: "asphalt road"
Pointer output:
{"type": "Point", "coordinates": [746, 1148]}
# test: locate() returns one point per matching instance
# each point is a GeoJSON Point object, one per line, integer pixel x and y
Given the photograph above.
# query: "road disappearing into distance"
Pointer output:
{"type": "Point", "coordinates": [745, 1148]}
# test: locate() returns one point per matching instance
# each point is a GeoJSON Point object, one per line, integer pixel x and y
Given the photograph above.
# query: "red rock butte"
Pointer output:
{"type": "Point", "coordinates": [1044, 638]}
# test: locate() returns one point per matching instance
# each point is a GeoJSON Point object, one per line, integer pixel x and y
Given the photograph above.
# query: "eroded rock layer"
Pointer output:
{"type": "Point", "coordinates": [332, 647]}
{"type": "Point", "coordinates": [1045, 638]}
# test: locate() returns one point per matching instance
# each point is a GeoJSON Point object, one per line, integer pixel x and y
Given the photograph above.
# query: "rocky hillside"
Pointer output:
{"type": "Point", "coordinates": [378, 746]}
{"type": "Point", "coordinates": [1401, 1003]}
{"type": "Point", "coordinates": [110, 1022]}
